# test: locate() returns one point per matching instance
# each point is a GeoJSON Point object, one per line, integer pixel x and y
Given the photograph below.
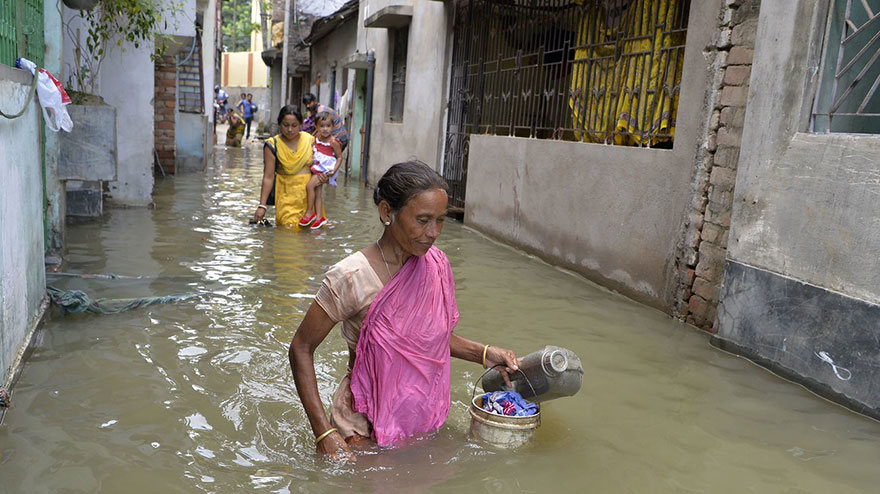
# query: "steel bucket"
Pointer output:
{"type": "Point", "coordinates": [500, 430]}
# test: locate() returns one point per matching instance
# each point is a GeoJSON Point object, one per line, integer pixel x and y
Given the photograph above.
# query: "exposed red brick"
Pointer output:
{"type": "Point", "coordinates": [737, 75]}
{"type": "Point", "coordinates": [734, 95]}
{"type": "Point", "coordinates": [707, 290]}
{"type": "Point", "coordinates": [740, 55]}
{"type": "Point", "coordinates": [699, 309]}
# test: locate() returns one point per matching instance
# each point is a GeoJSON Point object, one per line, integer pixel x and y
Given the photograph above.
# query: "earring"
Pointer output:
{"type": "Point", "coordinates": [387, 223]}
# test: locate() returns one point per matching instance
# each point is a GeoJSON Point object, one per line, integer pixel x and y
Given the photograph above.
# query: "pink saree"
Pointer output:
{"type": "Point", "coordinates": [400, 380]}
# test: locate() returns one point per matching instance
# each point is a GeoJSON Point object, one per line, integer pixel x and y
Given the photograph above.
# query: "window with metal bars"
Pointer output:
{"type": "Point", "coordinates": [397, 90]}
{"type": "Point", "coordinates": [190, 95]}
{"type": "Point", "coordinates": [21, 31]}
{"type": "Point", "coordinates": [846, 98]}
{"type": "Point", "coordinates": [602, 71]}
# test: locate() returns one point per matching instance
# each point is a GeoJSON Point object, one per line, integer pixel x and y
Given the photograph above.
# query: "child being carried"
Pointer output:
{"type": "Point", "coordinates": [327, 152]}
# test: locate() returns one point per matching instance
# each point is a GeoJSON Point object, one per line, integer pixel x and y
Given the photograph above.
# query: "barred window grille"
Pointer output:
{"type": "Point", "coordinates": [190, 95]}
{"type": "Point", "coordinates": [21, 31]}
{"type": "Point", "coordinates": [849, 74]}
{"type": "Point", "coordinates": [599, 71]}
{"type": "Point", "coordinates": [398, 74]}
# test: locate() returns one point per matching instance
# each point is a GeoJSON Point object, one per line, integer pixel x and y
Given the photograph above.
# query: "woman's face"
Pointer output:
{"type": "Point", "coordinates": [290, 126]}
{"type": "Point", "coordinates": [418, 224]}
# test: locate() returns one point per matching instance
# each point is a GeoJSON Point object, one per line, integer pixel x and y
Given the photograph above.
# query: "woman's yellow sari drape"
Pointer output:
{"type": "Point", "coordinates": [291, 176]}
{"type": "Point", "coordinates": [627, 68]}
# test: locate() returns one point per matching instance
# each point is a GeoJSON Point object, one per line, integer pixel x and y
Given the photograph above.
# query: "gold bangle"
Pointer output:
{"type": "Point", "coordinates": [485, 349]}
{"type": "Point", "coordinates": [322, 436]}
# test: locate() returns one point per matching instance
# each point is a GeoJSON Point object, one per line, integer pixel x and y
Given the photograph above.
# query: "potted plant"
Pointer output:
{"type": "Point", "coordinates": [80, 4]}
{"type": "Point", "coordinates": [112, 24]}
{"type": "Point", "coordinates": [88, 153]}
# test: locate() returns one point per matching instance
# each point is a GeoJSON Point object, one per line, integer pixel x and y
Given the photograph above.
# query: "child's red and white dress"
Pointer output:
{"type": "Point", "coordinates": [325, 159]}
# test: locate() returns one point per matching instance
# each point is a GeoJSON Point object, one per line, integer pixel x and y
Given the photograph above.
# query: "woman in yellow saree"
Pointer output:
{"type": "Point", "coordinates": [236, 129]}
{"type": "Point", "coordinates": [288, 168]}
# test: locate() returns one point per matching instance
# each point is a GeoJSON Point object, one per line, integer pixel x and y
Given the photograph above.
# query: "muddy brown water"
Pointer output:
{"type": "Point", "coordinates": [198, 396]}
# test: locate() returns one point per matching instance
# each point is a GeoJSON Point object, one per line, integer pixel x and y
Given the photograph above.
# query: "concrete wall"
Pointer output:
{"type": "Point", "coordinates": [275, 96]}
{"type": "Point", "coordinates": [328, 54]}
{"type": "Point", "coordinates": [420, 133]}
{"type": "Point", "coordinates": [794, 184]}
{"type": "Point", "coordinates": [209, 41]}
{"type": "Point", "coordinates": [244, 68]}
{"type": "Point", "coordinates": [182, 22]}
{"type": "Point", "coordinates": [209, 56]}
{"type": "Point", "coordinates": [55, 194]}
{"type": "Point", "coordinates": [263, 99]}
{"type": "Point", "coordinates": [190, 142]}
{"type": "Point", "coordinates": [615, 214]}
{"type": "Point", "coordinates": [800, 290]}
{"type": "Point", "coordinates": [127, 83]}
{"type": "Point", "coordinates": [22, 273]}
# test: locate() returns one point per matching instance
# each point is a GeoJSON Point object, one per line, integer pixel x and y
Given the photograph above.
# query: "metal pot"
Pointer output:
{"type": "Point", "coordinates": [80, 4]}
{"type": "Point", "coordinates": [500, 430]}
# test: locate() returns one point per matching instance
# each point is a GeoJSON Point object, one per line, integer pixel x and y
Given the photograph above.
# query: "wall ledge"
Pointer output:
{"type": "Point", "coordinates": [390, 17]}
{"type": "Point", "coordinates": [13, 74]}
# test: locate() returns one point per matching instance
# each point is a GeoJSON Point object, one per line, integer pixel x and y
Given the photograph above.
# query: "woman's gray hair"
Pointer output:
{"type": "Point", "coordinates": [406, 180]}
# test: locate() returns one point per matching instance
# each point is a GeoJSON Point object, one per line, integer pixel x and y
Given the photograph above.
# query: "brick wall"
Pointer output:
{"type": "Point", "coordinates": [707, 234]}
{"type": "Point", "coordinates": [165, 107]}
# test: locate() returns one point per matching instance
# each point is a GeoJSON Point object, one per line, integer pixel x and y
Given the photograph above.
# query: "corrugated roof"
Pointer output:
{"type": "Point", "coordinates": [325, 25]}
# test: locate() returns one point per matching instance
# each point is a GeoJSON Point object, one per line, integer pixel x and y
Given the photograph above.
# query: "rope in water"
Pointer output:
{"type": "Point", "coordinates": [108, 276]}
{"type": "Point", "coordinates": [76, 301]}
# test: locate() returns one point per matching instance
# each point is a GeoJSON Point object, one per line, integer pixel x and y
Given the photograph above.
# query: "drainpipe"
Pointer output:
{"type": "Point", "coordinates": [371, 70]}
{"type": "Point", "coordinates": [284, 53]}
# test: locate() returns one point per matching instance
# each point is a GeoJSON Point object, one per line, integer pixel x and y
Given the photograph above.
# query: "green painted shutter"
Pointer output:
{"type": "Point", "coordinates": [21, 31]}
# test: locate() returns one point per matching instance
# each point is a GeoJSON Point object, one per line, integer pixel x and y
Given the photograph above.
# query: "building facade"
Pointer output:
{"type": "Point", "coordinates": [39, 166]}
{"type": "Point", "coordinates": [713, 159]}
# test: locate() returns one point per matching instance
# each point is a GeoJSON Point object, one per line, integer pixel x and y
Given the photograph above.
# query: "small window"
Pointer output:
{"type": "Point", "coordinates": [399, 40]}
{"type": "Point", "coordinates": [847, 96]}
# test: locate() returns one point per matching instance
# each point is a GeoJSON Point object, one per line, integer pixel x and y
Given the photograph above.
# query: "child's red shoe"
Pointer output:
{"type": "Point", "coordinates": [319, 223]}
{"type": "Point", "coordinates": [307, 220]}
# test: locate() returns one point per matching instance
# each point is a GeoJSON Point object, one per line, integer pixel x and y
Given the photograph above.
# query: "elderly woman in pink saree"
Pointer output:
{"type": "Point", "coordinates": [396, 302]}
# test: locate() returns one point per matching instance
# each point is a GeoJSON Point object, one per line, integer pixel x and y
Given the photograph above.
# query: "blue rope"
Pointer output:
{"type": "Point", "coordinates": [76, 301]}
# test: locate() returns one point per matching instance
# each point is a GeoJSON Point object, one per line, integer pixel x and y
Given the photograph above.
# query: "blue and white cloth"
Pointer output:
{"type": "Point", "coordinates": [509, 403]}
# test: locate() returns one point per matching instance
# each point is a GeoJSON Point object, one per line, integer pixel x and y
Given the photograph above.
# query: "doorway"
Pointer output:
{"type": "Point", "coordinates": [357, 127]}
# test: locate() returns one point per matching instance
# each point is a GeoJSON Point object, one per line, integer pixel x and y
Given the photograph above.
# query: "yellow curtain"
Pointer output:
{"type": "Point", "coordinates": [624, 71]}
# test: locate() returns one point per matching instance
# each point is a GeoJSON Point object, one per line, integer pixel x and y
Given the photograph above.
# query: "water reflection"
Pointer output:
{"type": "Point", "coordinates": [198, 397]}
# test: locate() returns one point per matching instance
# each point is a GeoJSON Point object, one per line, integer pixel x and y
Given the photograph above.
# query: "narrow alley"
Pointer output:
{"type": "Point", "coordinates": [197, 396]}
{"type": "Point", "coordinates": [663, 213]}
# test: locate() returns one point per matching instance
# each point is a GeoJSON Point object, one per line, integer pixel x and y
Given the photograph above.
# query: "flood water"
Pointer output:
{"type": "Point", "coordinates": [198, 396]}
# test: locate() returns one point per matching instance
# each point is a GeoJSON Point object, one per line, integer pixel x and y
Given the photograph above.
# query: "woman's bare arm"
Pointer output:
{"type": "Point", "coordinates": [465, 349]}
{"type": "Point", "coordinates": [268, 180]}
{"type": "Point", "coordinates": [315, 326]}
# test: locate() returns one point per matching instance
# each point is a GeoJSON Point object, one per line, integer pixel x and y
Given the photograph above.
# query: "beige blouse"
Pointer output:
{"type": "Point", "coordinates": [348, 289]}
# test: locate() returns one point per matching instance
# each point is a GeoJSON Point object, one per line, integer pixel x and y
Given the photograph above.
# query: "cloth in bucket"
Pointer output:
{"type": "Point", "coordinates": [508, 403]}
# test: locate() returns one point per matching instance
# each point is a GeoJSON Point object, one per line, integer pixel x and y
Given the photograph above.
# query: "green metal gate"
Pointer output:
{"type": "Point", "coordinates": [21, 31]}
